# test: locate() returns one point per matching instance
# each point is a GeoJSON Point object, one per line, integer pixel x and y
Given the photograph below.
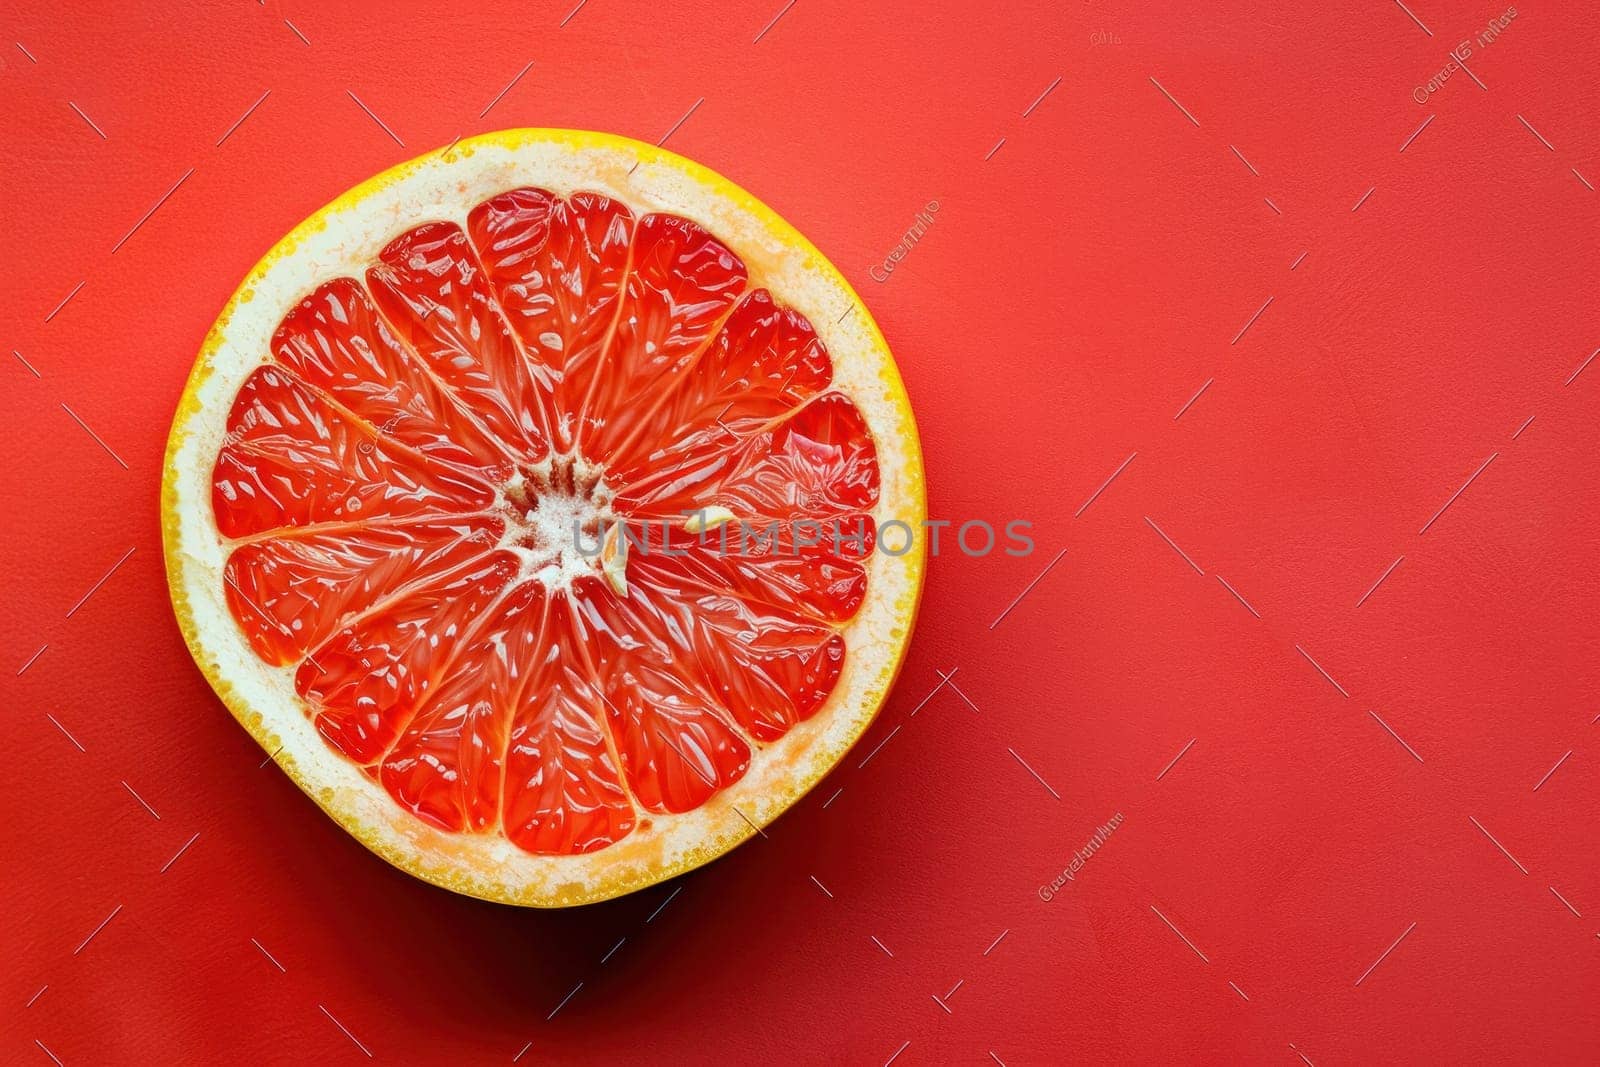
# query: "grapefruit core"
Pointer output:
{"type": "Point", "coordinates": [412, 415]}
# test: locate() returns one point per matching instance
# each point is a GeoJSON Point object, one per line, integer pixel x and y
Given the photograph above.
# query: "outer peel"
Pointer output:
{"type": "Point", "coordinates": [342, 238]}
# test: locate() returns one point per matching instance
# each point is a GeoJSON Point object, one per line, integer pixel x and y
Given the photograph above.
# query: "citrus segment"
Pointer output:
{"type": "Point", "coordinates": [292, 591]}
{"type": "Point", "coordinates": [557, 266]}
{"type": "Point", "coordinates": [429, 286]}
{"type": "Point", "coordinates": [335, 341]}
{"type": "Point", "coordinates": [366, 682]}
{"type": "Point", "coordinates": [563, 786]}
{"type": "Point", "coordinates": [292, 458]}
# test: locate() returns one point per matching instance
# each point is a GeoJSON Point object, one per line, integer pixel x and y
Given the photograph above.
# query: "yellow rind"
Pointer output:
{"type": "Point", "coordinates": [912, 509]}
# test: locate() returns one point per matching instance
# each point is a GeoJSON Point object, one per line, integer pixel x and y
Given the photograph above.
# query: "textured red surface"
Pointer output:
{"type": "Point", "coordinates": [1412, 298]}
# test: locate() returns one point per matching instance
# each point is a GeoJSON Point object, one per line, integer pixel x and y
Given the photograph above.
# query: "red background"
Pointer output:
{"type": "Point", "coordinates": [1081, 282]}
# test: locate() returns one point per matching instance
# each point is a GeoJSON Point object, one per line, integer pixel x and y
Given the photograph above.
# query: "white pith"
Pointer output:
{"type": "Point", "coordinates": [350, 233]}
{"type": "Point", "coordinates": [555, 538]}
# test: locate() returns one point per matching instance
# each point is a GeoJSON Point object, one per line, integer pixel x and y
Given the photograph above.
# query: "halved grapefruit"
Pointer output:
{"type": "Point", "coordinates": [447, 509]}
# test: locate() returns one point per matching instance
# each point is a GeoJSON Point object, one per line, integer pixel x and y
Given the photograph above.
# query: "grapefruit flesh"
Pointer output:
{"type": "Point", "coordinates": [408, 489]}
